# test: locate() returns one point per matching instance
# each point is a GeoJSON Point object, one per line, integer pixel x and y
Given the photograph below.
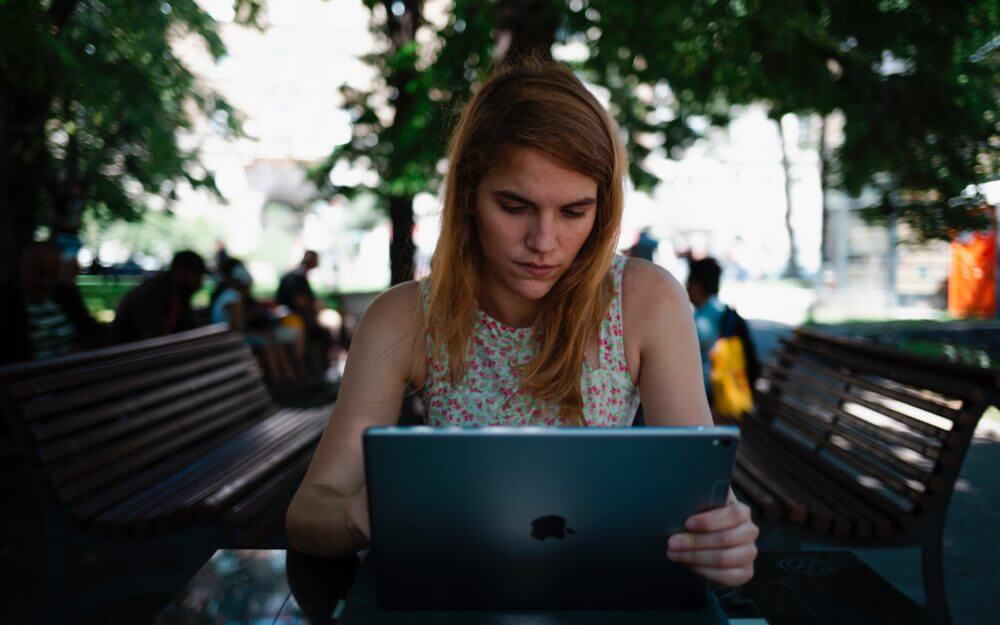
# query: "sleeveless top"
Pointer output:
{"type": "Point", "coordinates": [488, 394]}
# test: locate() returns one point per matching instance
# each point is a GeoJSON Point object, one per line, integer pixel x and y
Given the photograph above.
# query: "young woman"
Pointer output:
{"type": "Point", "coordinates": [528, 316]}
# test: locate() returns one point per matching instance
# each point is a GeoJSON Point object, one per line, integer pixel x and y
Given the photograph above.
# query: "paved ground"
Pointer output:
{"type": "Point", "coordinates": [972, 530]}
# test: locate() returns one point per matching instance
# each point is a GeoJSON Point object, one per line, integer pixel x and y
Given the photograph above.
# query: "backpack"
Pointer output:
{"type": "Point", "coordinates": [734, 367]}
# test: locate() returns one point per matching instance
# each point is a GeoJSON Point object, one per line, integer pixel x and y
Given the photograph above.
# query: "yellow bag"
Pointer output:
{"type": "Point", "coordinates": [731, 393]}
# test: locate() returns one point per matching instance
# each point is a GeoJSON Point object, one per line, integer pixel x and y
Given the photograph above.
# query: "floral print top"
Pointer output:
{"type": "Point", "coordinates": [488, 393]}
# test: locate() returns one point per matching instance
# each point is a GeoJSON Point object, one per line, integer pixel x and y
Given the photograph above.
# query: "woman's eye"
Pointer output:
{"type": "Point", "coordinates": [514, 208]}
{"type": "Point", "coordinates": [573, 214]}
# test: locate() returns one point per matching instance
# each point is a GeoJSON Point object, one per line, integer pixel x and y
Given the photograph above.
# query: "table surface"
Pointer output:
{"type": "Point", "coordinates": [271, 587]}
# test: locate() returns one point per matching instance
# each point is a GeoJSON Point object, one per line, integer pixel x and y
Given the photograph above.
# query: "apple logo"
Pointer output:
{"type": "Point", "coordinates": [551, 526]}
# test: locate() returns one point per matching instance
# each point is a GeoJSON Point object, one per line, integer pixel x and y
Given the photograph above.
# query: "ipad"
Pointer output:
{"type": "Point", "coordinates": [532, 518]}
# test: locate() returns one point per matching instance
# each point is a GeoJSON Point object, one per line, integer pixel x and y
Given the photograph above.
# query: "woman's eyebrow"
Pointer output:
{"type": "Point", "coordinates": [510, 195]}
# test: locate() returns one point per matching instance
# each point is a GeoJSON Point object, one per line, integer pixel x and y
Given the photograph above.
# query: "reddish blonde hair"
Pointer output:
{"type": "Point", "coordinates": [542, 106]}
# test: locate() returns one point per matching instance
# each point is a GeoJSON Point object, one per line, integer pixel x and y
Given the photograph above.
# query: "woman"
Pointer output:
{"type": "Point", "coordinates": [528, 315]}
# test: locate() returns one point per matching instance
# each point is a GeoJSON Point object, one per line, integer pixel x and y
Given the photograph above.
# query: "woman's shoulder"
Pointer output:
{"type": "Point", "coordinates": [650, 292]}
{"type": "Point", "coordinates": [645, 280]}
{"type": "Point", "coordinates": [395, 305]}
{"type": "Point", "coordinates": [390, 334]}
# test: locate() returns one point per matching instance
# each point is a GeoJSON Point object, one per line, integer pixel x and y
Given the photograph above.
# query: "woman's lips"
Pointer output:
{"type": "Point", "coordinates": [538, 271]}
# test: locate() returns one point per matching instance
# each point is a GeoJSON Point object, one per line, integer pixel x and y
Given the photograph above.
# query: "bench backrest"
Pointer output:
{"type": "Point", "coordinates": [95, 423]}
{"type": "Point", "coordinates": [897, 424]}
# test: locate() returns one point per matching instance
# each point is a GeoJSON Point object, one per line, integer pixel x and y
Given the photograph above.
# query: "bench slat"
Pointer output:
{"type": "Point", "coordinates": [166, 478]}
{"type": "Point", "coordinates": [67, 428]}
{"type": "Point", "coordinates": [235, 409]}
{"type": "Point", "coordinates": [867, 519]}
{"type": "Point", "coordinates": [859, 463]}
{"type": "Point", "coordinates": [47, 405]}
{"type": "Point", "coordinates": [824, 518]}
{"type": "Point", "coordinates": [311, 424]}
{"type": "Point", "coordinates": [916, 424]}
{"type": "Point", "coordinates": [746, 483]}
{"type": "Point", "coordinates": [32, 378]}
{"type": "Point", "coordinates": [139, 443]}
{"type": "Point", "coordinates": [802, 507]}
{"type": "Point", "coordinates": [884, 388]}
{"type": "Point", "coordinates": [192, 394]}
{"type": "Point", "coordinates": [138, 514]}
{"type": "Point", "coordinates": [285, 480]}
{"type": "Point", "coordinates": [877, 500]}
{"type": "Point", "coordinates": [250, 453]}
{"type": "Point", "coordinates": [860, 363]}
{"type": "Point", "coordinates": [927, 447]}
{"type": "Point", "coordinates": [825, 430]}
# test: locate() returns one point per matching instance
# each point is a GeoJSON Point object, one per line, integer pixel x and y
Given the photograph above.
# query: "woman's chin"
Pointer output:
{"type": "Point", "coordinates": [533, 290]}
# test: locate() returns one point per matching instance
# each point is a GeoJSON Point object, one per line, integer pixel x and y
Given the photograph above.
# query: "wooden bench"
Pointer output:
{"type": "Point", "coordinates": [172, 442]}
{"type": "Point", "coordinates": [862, 445]}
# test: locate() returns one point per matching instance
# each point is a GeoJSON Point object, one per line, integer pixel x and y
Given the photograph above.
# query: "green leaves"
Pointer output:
{"type": "Point", "coordinates": [113, 98]}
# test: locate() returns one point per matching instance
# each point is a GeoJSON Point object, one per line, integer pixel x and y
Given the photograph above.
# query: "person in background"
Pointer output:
{"type": "Point", "coordinates": [714, 320]}
{"type": "Point", "coordinates": [644, 247]}
{"type": "Point", "coordinates": [222, 257]}
{"type": "Point", "coordinates": [295, 292]}
{"type": "Point", "coordinates": [281, 347]}
{"type": "Point", "coordinates": [44, 315]}
{"type": "Point", "coordinates": [162, 304]}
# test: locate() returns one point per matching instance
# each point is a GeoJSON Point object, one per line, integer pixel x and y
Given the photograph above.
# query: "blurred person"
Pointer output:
{"type": "Point", "coordinates": [714, 320]}
{"type": "Point", "coordinates": [162, 304]}
{"type": "Point", "coordinates": [644, 247]}
{"type": "Point", "coordinates": [221, 258]}
{"type": "Point", "coordinates": [295, 293]}
{"type": "Point", "coordinates": [528, 317]}
{"type": "Point", "coordinates": [282, 347]}
{"type": "Point", "coordinates": [44, 315]}
{"type": "Point", "coordinates": [67, 217]}
{"type": "Point", "coordinates": [96, 268]}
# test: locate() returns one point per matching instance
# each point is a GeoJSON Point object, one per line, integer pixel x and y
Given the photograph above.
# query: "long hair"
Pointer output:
{"type": "Point", "coordinates": [542, 106]}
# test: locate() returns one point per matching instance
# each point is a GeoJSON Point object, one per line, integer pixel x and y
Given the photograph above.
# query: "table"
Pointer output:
{"type": "Point", "coordinates": [272, 587]}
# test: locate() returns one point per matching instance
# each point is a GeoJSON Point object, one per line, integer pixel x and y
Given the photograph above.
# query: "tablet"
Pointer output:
{"type": "Point", "coordinates": [532, 518]}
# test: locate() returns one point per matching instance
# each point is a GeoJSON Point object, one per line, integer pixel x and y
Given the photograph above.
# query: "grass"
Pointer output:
{"type": "Point", "coordinates": [101, 294]}
{"type": "Point", "coordinates": [974, 342]}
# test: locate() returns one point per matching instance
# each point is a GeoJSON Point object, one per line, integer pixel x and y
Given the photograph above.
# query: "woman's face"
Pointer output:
{"type": "Point", "coordinates": [532, 216]}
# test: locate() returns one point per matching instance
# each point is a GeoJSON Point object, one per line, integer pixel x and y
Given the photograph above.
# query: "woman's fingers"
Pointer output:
{"type": "Point", "coordinates": [730, 557]}
{"type": "Point", "coordinates": [719, 544]}
{"type": "Point", "coordinates": [730, 515]}
{"type": "Point", "coordinates": [732, 537]}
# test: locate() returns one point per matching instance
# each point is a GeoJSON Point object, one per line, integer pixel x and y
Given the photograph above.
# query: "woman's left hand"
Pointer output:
{"type": "Point", "coordinates": [719, 544]}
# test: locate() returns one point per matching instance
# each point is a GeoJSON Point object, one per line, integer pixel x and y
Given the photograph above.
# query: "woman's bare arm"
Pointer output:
{"type": "Point", "coordinates": [718, 544]}
{"type": "Point", "coordinates": [328, 515]}
{"type": "Point", "coordinates": [661, 345]}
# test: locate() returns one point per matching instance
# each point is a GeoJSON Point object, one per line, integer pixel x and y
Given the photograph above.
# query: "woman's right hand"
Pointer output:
{"type": "Point", "coordinates": [356, 517]}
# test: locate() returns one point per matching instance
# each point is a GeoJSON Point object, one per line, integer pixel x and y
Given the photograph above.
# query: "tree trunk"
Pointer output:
{"type": "Point", "coordinates": [526, 28]}
{"type": "Point", "coordinates": [24, 157]}
{"type": "Point", "coordinates": [824, 166]}
{"type": "Point", "coordinates": [402, 30]}
{"type": "Point", "coordinates": [401, 246]}
{"type": "Point", "coordinates": [792, 267]}
{"type": "Point", "coordinates": [23, 175]}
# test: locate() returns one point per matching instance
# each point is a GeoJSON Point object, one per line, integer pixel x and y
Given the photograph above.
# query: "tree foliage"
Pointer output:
{"type": "Point", "coordinates": [91, 102]}
{"type": "Point", "coordinates": [916, 80]}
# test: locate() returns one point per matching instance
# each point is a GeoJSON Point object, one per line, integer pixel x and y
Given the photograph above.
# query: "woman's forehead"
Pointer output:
{"type": "Point", "coordinates": [541, 177]}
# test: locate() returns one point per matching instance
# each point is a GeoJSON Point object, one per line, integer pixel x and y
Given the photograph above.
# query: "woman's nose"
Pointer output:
{"type": "Point", "coordinates": [542, 234]}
